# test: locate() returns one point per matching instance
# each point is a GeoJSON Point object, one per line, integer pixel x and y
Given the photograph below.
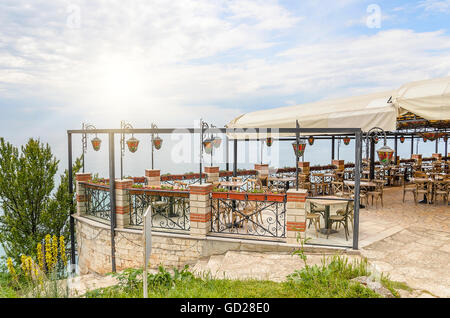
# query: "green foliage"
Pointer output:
{"type": "Point", "coordinates": [32, 207]}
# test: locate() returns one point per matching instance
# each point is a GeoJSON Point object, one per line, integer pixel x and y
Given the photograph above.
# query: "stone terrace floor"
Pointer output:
{"type": "Point", "coordinates": [409, 242]}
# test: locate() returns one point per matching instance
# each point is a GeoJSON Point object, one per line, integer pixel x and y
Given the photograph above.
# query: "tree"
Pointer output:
{"type": "Point", "coordinates": [31, 207]}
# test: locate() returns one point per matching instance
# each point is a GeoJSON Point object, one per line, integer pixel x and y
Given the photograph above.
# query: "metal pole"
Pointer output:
{"type": "Point", "coordinates": [72, 221]}
{"type": "Point", "coordinates": [358, 149]}
{"type": "Point", "coordinates": [395, 148]}
{"type": "Point", "coordinates": [112, 196]}
{"type": "Point", "coordinates": [445, 147]}
{"type": "Point", "coordinates": [296, 153]}
{"type": "Point", "coordinates": [372, 158]}
{"type": "Point", "coordinates": [412, 145]}
{"type": "Point", "coordinates": [152, 152]}
{"type": "Point", "coordinates": [227, 150]}
{"type": "Point", "coordinates": [201, 148]}
{"type": "Point", "coordinates": [235, 158]}
{"type": "Point", "coordinates": [437, 146]}
{"type": "Point", "coordinates": [332, 147]}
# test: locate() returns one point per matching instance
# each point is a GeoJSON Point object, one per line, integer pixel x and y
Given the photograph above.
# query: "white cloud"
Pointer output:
{"type": "Point", "coordinates": [435, 5]}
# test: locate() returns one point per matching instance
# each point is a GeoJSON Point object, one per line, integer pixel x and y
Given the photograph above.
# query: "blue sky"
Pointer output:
{"type": "Point", "coordinates": [67, 62]}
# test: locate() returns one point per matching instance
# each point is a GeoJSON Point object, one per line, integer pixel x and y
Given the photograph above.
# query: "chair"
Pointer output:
{"type": "Point", "coordinates": [250, 212]}
{"type": "Point", "coordinates": [377, 193]}
{"type": "Point", "coordinates": [313, 218]}
{"type": "Point", "coordinates": [441, 189]}
{"type": "Point", "coordinates": [422, 187]}
{"type": "Point", "coordinates": [406, 189]}
{"type": "Point", "coordinates": [318, 184]}
{"type": "Point", "coordinates": [338, 189]}
{"type": "Point", "coordinates": [342, 218]}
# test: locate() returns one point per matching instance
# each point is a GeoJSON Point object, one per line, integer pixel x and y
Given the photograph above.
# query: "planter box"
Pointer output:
{"type": "Point", "coordinates": [276, 197]}
{"type": "Point", "coordinates": [256, 196]}
{"type": "Point", "coordinates": [177, 177]}
{"type": "Point", "coordinates": [219, 195]}
{"type": "Point", "coordinates": [236, 196]}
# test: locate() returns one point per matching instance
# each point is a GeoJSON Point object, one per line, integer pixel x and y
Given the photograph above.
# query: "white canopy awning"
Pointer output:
{"type": "Point", "coordinates": [365, 112]}
{"type": "Point", "coordinates": [429, 99]}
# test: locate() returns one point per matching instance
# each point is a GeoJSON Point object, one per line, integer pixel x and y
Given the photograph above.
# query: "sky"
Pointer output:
{"type": "Point", "coordinates": [171, 63]}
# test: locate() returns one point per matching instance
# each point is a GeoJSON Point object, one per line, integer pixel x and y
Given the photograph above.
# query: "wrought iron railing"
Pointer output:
{"type": "Point", "coordinates": [98, 201]}
{"type": "Point", "coordinates": [249, 214]}
{"type": "Point", "coordinates": [170, 208]}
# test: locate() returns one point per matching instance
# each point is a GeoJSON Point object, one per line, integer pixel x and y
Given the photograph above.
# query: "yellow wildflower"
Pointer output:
{"type": "Point", "coordinates": [23, 264]}
{"type": "Point", "coordinates": [55, 249]}
{"type": "Point", "coordinates": [62, 249]}
{"type": "Point", "coordinates": [11, 268]}
{"type": "Point", "coordinates": [40, 256]}
{"type": "Point", "coordinates": [48, 252]}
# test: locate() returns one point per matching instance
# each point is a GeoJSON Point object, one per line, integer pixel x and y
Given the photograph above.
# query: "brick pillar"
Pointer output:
{"type": "Point", "coordinates": [339, 164]}
{"type": "Point", "coordinates": [438, 156]}
{"type": "Point", "coordinates": [295, 214]}
{"type": "Point", "coordinates": [153, 177]}
{"type": "Point", "coordinates": [417, 158]}
{"type": "Point", "coordinates": [123, 202]}
{"type": "Point", "coordinates": [81, 191]}
{"type": "Point", "coordinates": [303, 167]}
{"type": "Point", "coordinates": [212, 174]}
{"type": "Point", "coordinates": [200, 209]}
{"type": "Point", "coordinates": [262, 170]}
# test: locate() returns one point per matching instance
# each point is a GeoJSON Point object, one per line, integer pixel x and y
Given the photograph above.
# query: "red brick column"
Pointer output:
{"type": "Point", "coordinates": [153, 177]}
{"type": "Point", "coordinates": [438, 156]}
{"type": "Point", "coordinates": [295, 214]}
{"type": "Point", "coordinates": [303, 166]}
{"type": "Point", "coordinates": [81, 191]}
{"type": "Point", "coordinates": [200, 209]}
{"type": "Point", "coordinates": [339, 164]}
{"type": "Point", "coordinates": [123, 202]}
{"type": "Point", "coordinates": [417, 158]}
{"type": "Point", "coordinates": [212, 174]}
{"type": "Point", "coordinates": [262, 170]}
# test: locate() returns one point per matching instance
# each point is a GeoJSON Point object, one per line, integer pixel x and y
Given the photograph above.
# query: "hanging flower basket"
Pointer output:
{"type": "Point", "coordinates": [208, 145]}
{"type": "Point", "coordinates": [402, 139]}
{"type": "Point", "coordinates": [96, 142]}
{"type": "Point", "coordinates": [346, 140]}
{"type": "Point", "coordinates": [157, 143]}
{"type": "Point", "coordinates": [311, 140]}
{"type": "Point", "coordinates": [269, 141]}
{"type": "Point", "coordinates": [385, 155]}
{"type": "Point", "coordinates": [217, 141]}
{"type": "Point", "coordinates": [301, 148]}
{"type": "Point", "coordinates": [132, 144]}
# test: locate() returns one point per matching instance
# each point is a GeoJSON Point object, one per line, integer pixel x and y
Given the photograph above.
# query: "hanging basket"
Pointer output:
{"type": "Point", "coordinates": [132, 144]}
{"type": "Point", "coordinates": [346, 140]}
{"type": "Point", "coordinates": [402, 139]}
{"type": "Point", "coordinates": [96, 142]}
{"type": "Point", "coordinates": [157, 143]}
{"type": "Point", "coordinates": [301, 148]}
{"type": "Point", "coordinates": [311, 140]}
{"type": "Point", "coordinates": [208, 145]}
{"type": "Point", "coordinates": [269, 141]}
{"type": "Point", "coordinates": [216, 142]}
{"type": "Point", "coordinates": [385, 155]}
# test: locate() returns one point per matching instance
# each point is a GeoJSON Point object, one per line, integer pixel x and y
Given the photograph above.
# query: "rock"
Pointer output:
{"type": "Point", "coordinates": [377, 287]}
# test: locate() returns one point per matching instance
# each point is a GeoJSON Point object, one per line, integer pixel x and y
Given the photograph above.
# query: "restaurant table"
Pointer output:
{"type": "Point", "coordinates": [430, 180]}
{"type": "Point", "coordinates": [232, 184]}
{"type": "Point", "coordinates": [285, 180]}
{"type": "Point", "coordinates": [327, 201]}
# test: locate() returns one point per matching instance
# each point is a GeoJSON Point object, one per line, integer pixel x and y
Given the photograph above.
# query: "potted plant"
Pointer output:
{"type": "Point", "coordinates": [218, 193]}
{"type": "Point", "coordinates": [275, 196]}
{"type": "Point", "coordinates": [256, 195]}
{"type": "Point", "coordinates": [236, 195]}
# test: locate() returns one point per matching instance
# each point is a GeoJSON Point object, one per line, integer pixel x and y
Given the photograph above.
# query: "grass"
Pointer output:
{"type": "Point", "coordinates": [330, 279]}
